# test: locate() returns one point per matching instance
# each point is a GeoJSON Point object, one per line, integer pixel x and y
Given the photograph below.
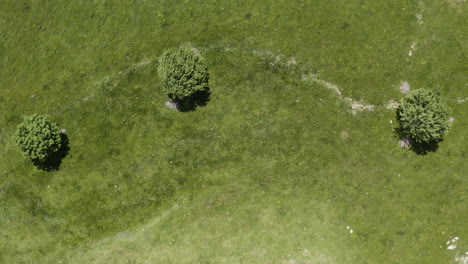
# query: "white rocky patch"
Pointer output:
{"type": "Point", "coordinates": [450, 244]}
{"type": "Point", "coordinates": [452, 247]}
{"type": "Point", "coordinates": [405, 142]}
{"type": "Point", "coordinates": [404, 87]}
{"type": "Point", "coordinates": [413, 48]}
{"type": "Point", "coordinates": [462, 259]}
{"type": "Point", "coordinates": [171, 105]}
{"type": "Point", "coordinates": [291, 61]}
{"type": "Point", "coordinates": [419, 15]}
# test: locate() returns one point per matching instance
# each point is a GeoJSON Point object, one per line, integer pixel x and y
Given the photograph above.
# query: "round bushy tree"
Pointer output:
{"type": "Point", "coordinates": [37, 137]}
{"type": "Point", "coordinates": [423, 116]}
{"type": "Point", "coordinates": [183, 72]}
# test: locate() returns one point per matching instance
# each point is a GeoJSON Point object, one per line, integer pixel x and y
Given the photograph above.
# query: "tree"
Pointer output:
{"type": "Point", "coordinates": [183, 72]}
{"type": "Point", "coordinates": [423, 116]}
{"type": "Point", "coordinates": [37, 137]}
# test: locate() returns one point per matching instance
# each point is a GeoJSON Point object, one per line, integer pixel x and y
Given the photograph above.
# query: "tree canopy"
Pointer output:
{"type": "Point", "coordinates": [37, 137]}
{"type": "Point", "coordinates": [183, 72]}
{"type": "Point", "coordinates": [423, 116]}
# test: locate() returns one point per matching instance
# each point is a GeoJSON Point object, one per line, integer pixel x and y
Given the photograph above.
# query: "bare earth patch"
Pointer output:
{"type": "Point", "coordinates": [455, 3]}
{"type": "Point", "coordinates": [275, 59]}
{"type": "Point", "coordinates": [344, 134]}
{"type": "Point", "coordinates": [359, 106]}
{"type": "Point", "coordinates": [356, 106]}
{"type": "Point", "coordinates": [142, 63]}
{"type": "Point", "coordinates": [313, 78]}
{"type": "Point", "coordinates": [392, 104]}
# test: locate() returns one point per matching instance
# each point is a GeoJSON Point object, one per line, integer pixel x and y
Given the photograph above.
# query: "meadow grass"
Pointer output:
{"type": "Point", "coordinates": [263, 173]}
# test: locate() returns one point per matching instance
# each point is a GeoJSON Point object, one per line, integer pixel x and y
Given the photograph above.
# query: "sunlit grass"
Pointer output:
{"type": "Point", "coordinates": [262, 174]}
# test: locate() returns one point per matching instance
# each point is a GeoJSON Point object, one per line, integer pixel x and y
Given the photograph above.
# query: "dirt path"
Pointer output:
{"type": "Point", "coordinates": [356, 106]}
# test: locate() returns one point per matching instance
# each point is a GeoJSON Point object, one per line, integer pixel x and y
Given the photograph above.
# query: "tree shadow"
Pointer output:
{"type": "Point", "coordinates": [424, 147]}
{"type": "Point", "coordinates": [52, 163]}
{"type": "Point", "coordinates": [421, 148]}
{"type": "Point", "coordinates": [200, 98]}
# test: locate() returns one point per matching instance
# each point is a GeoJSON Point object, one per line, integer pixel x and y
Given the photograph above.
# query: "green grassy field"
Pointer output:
{"type": "Point", "coordinates": [274, 169]}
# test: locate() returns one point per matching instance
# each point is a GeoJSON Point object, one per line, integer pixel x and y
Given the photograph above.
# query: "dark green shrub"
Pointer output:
{"type": "Point", "coordinates": [423, 116]}
{"type": "Point", "coordinates": [37, 137]}
{"type": "Point", "coordinates": [183, 72]}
